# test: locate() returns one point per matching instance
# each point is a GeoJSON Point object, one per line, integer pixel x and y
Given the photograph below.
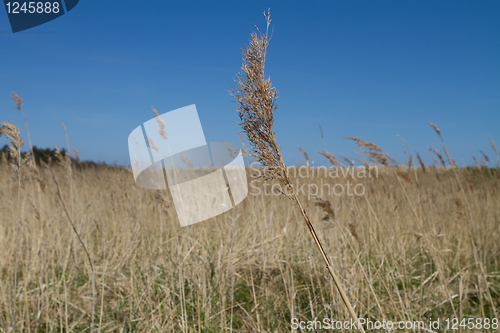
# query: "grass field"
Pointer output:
{"type": "Point", "coordinates": [412, 247]}
{"type": "Point", "coordinates": [417, 245]}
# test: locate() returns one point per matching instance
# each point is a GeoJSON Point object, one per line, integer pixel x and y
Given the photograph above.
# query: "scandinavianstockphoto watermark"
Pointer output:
{"type": "Point", "coordinates": [430, 325]}
{"type": "Point", "coordinates": [315, 181]}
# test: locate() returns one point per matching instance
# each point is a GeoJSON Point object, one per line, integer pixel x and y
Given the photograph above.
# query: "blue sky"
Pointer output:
{"type": "Point", "coordinates": [372, 69]}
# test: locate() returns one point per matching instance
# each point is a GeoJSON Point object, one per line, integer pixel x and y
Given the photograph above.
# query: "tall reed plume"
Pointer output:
{"type": "Point", "coordinates": [256, 103]}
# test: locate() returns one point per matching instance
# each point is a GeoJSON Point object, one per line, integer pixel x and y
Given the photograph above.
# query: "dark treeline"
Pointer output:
{"type": "Point", "coordinates": [49, 156]}
{"type": "Point", "coordinates": [44, 155]}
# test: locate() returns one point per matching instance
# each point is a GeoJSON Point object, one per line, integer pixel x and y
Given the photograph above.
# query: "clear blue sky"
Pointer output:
{"type": "Point", "coordinates": [372, 69]}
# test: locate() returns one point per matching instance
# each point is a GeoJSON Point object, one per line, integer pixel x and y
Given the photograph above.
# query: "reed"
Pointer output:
{"type": "Point", "coordinates": [256, 104]}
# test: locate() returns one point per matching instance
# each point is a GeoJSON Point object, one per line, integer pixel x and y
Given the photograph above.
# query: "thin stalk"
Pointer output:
{"type": "Point", "coordinates": [336, 280]}
{"type": "Point", "coordinates": [29, 138]}
{"type": "Point", "coordinates": [17, 237]}
{"type": "Point", "coordinates": [14, 135]}
{"type": "Point", "coordinates": [83, 245]}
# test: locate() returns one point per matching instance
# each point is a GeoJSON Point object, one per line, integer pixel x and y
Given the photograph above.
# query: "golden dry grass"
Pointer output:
{"type": "Point", "coordinates": [253, 268]}
{"type": "Point", "coordinates": [84, 249]}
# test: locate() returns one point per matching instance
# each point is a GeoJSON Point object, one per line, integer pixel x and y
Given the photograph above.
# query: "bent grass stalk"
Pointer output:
{"type": "Point", "coordinates": [14, 135]}
{"type": "Point", "coordinates": [255, 100]}
{"type": "Point", "coordinates": [58, 192]}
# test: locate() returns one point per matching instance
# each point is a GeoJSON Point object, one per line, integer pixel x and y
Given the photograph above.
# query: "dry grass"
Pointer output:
{"type": "Point", "coordinates": [253, 268]}
{"type": "Point", "coordinates": [94, 250]}
{"type": "Point", "coordinates": [84, 248]}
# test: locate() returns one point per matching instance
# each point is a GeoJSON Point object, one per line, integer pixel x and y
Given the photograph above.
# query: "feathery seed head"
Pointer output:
{"type": "Point", "coordinates": [161, 124]}
{"type": "Point", "coordinates": [422, 165]}
{"type": "Point", "coordinates": [256, 102]}
{"type": "Point", "coordinates": [436, 129]}
{"type": "Point", "coordinates": [330, 157]}
{"type": "Point", "coordinates": [18, 100]}
{"type": "Point", "coordinates": [438, 155]}
{"type": "Point", "coordinates": [12, 133]}
{"type": "Point", "coordinates": [326, 206]}
{"type": "Point", "coordinates": [153, 144]}
{"type": "Point", "coordinates": [363, 144]}
{"type": "Point", "coordinates": [493, 145]}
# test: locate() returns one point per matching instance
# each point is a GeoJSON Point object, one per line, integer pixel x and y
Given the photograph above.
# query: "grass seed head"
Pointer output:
{"type": "Point", "coordinates": [161, 124]}
{"type": "Point", "coordinates": [403, 174]}
{"type": "Point", "coordinates": [18, 100]}
{"type": "Point", "coordinates": [353, 232]}
{"type": "Point", "coordinates": [256, 98]}
{"type": "Point", "coordinates": [486, 158]}
{"type": "Point", "coordinates": [436, 129]}
{"type": "Point", "coordinates": [152, 144]}
{"type": "Point", "coordinates": [422, 165]}
{"type": "Point", "coordinates": [326, 206]}
{"type": "Point", "coordinates": [330, 157]}
{"type": "Point", "coordinates": [13, 133]}
{"type": "Point", "coordinates": [347, 160]}
{"type": "Point", "coordinates": [363, 144]}
{"type": "Point", "coordinates": [441, 159]}
{"type": "Point", "coordinates": [493, 145]}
